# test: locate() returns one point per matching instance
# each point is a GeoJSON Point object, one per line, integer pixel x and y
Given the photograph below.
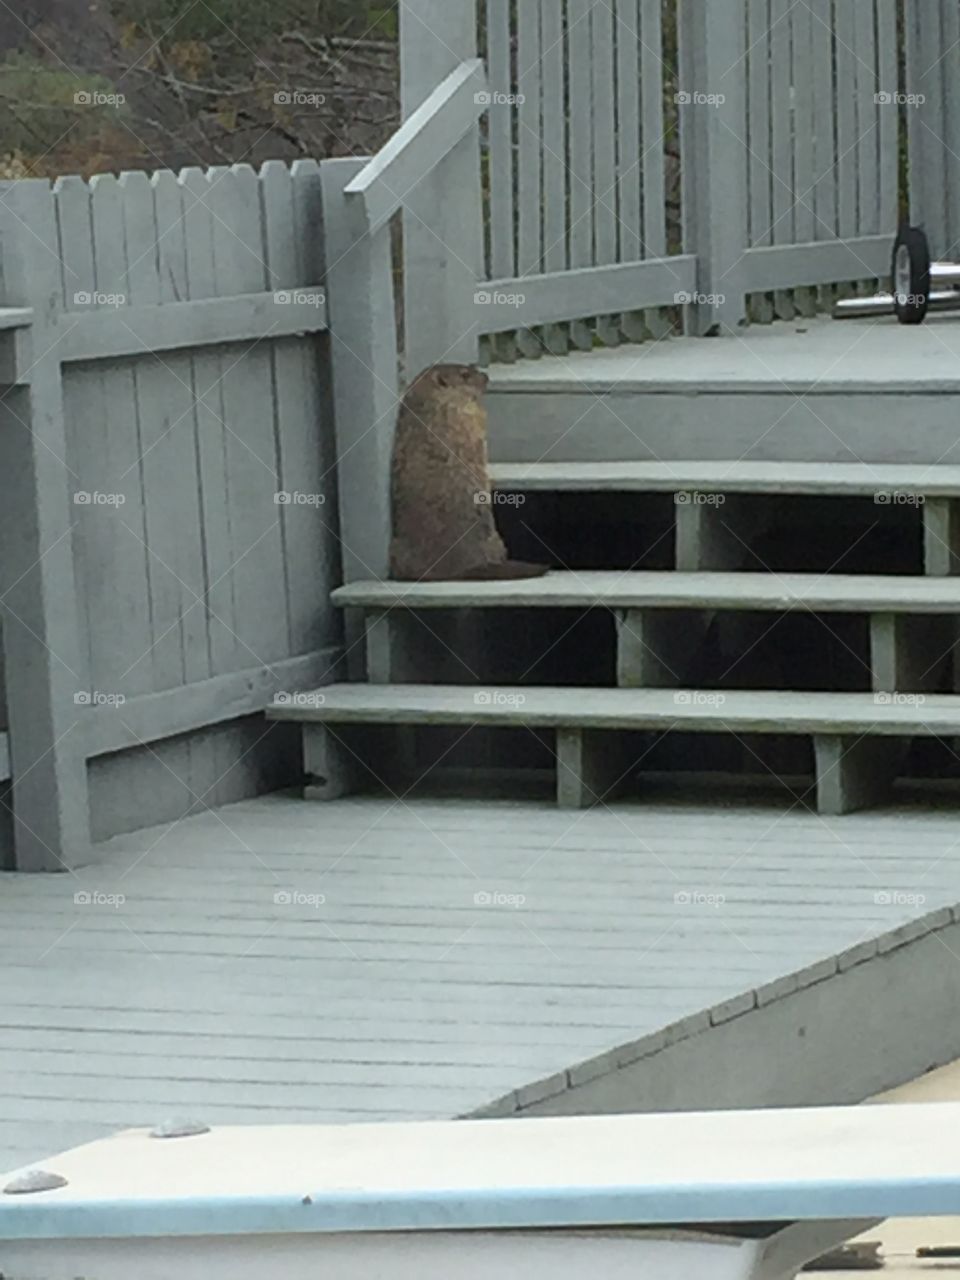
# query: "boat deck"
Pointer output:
{"type": "Point", "coordinates": [375, 959]}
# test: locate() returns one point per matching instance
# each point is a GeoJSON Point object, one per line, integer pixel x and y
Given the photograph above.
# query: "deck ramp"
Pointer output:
{"type": "Point", "coordinates": [391, 958]}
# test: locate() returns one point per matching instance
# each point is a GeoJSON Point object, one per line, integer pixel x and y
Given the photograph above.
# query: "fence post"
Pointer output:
{"type": "Point", "coordinates": [442, 220]}
{"type": "Point", "coordinates": [363, 346]}
{"type": "Point", "coordinates": [932, 163]}
{"type": "Point", "coordinates": [44, 668]}
{"type": "Point", "coordinates": [713, 150]}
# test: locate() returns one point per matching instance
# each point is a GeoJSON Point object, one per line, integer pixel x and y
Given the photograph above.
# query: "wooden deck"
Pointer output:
{"type": "Point", "coordinates": [857, 392]}
{"type": "Point", "coordinates": [374, 959]}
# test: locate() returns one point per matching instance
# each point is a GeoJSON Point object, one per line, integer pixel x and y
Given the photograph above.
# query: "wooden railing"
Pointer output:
{"type": "Point", "coordinates": [724, 158]}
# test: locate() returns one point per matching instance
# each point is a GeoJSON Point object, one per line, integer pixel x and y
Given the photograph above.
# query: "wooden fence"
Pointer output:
{"type": "Point", "coordinates": [170, 529]}
{"type": "Point", "coordinates": [727, 157]}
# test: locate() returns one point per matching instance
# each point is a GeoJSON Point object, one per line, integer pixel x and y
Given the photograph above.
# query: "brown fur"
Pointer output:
{"type": "Point", "coordinates": [441, 531]}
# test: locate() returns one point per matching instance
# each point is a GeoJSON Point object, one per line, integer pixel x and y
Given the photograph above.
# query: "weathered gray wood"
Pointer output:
{"type": "Point", "coordinates": [392, 647]}
{"type": "Point", "coordinates": [801, 21]}
{"type": "Point", "coordinates": [567, 295]}
{"type": "Point", "coordinates": [591, 767]}
{"type": "Point", "coordinates": [425, 137]}
{"type": "Point", "coordinates": [629, 136]}
{"type": "Point", "coordinates": [529, 160]}
{"type": "Point", "coordinates": [214, 321]}
{"type": "Point", "coordinates": [749, 711]}
{"type": "Point", "coordinates": [712, 47]}
{"type": "Point", "coordinates": [605, 174]}
{"type": "Point", "coordinates": [779, 266]}
{"type": "Point", "coordinates": [711, 534]}
{"type": "Point", "coordinates": [220, 698]}
{"type": "Point", "coordinates": [200, 233]}
{"type": "Point", "coordinates": [44, 668]}
{"type": "Point", "coordinates": [783, 205]}
{"type": "Point", "coordinates": [853, 773]}
{"type": "Point", "coordinates": [909, 653]}
{"type": "Point", "coordinates": [174, 457]}
{"type": "Point", "coordinates": [653, 589]}
{"type": "Point", "coordinates": [554, 138]}
{"type": "Point", "coordinates": [651, 87]}
{"type": "Point", "coordinates": [305, 427]}
{"type": "Point", "coordinates": [824, 150]}
{"type": "Point", "coordinates": [837, 479]}
{"type": "Point", "coordinates": [364, 358]}
{"type": "Point", "coordinates": [846, 78]}
{"type": "Point", "coordinates": [442, 220]}
{"type": "Point", "coordinates": [256, 551]}
{"type": "Point", "coordinates": [869, 112]}
{"type": "Point", "coordinates": [941, 536]}
{"type": "Point", "coordinates": [758, 88]}
{"type": "Point", "coordinates": [888, 63]}
{"type": "Point", "coordinates": [656, 648]}
{"type": "Point", "coordinates": [503, 259]}
{"type": "Point", "coordinates": [579, 47]}
{"type": "Point", "coordinates": [332, 769]}
{"type": "Point", "coordinates": [926, 124]}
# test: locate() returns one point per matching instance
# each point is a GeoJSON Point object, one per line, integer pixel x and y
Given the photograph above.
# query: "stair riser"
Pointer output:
{"type": "Point", "coordinates": [555, 426]}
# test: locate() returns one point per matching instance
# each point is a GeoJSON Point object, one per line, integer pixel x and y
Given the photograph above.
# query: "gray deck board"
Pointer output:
{"type": "Point", "coordinates": [828, 479]}
{"type": "Point", "coordinates": [816, 357]}
{"type": "Point", "coordinates": [844, 593]}
{"type": "Point", "coordinates": [741, 710]}
{"type": "Point", "coordinates": [400, 995]}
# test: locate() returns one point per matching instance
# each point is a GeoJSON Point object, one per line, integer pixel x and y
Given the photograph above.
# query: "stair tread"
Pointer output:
{"type": "Point", "coordinates": [841, 593]}
{"type": "Point", "coordinates": [742, 710]}
{"type": "Point", "coordinates": [826, 478]}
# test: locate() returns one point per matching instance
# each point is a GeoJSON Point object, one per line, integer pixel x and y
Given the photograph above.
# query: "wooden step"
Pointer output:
{"type": "Point", "coordinates": [776, 592]}
{"type": "Point", "coordinates": [713, 511]}
{"type": "Point", "coordinates": [662, 617]}
{"type": "Point", "coordinates": [873, 393]}
{"type": "Point", "coordinates": [859, 739]}
{"type": "Point", "coordinates": [836, 479]}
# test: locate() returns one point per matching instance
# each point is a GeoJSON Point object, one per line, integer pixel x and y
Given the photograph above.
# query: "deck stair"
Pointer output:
{"type": "Point", "coordinates": [435, 652]}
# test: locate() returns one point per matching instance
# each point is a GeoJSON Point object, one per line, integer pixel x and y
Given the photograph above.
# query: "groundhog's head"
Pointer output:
{"type": "Point", "coordinates": [452, 377]}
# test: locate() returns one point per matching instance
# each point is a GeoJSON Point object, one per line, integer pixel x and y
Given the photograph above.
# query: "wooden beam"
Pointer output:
{"type": "Point", "coordinates": [527, 301]}
{"type": "Point", "coordinates": [363, 354]}
{"type": "Point", "coordinates": [820, 262]}
{"type": "Point", "coordinates": [855, 773]}
{"type": "Point", "coordinates": [107, 333]}
{"type": "Point", "coordinates": [41, 635]}
{"type": "Point", "coordinates": [421, 142]}
{"type": "Point", "coordinates": [443, 217]}
{"type": "Point", "coordinates": [208, 702]}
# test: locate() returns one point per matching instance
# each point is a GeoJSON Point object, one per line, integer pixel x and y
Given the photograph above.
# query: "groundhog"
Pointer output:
{"type": "Point", "coordinates": [443, 526]}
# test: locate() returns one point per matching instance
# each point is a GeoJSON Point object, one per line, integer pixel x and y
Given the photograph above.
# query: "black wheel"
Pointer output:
{"type": "Point", "coordinates": [911, 275]}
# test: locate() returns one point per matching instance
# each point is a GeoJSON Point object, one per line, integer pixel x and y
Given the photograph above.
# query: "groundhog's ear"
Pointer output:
{"type": "Point", "coordinates": [440, 378]}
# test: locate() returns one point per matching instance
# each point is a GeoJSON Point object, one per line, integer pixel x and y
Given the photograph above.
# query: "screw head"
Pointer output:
{"type": "Point", "coordinates": [33, 1180]}
{"type": "Point", "coordinates": [179, 1129]}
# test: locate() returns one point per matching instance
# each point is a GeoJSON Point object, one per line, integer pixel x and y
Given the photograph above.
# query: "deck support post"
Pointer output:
{"type": "Point", "coordinates": [941, 536]}
{"type": "Point", "coordinates": [332, 769]}
{"type": "Point", "coordinates": [909, 654]}
{"type": "Point", "coordinates": [855, 773]}
{"type": "Point", "coordinates": [592, 764]}
{"type": "Point", "coordinates": [712, 532]}
{"type": "Point", "coordinates": [656, 648]}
